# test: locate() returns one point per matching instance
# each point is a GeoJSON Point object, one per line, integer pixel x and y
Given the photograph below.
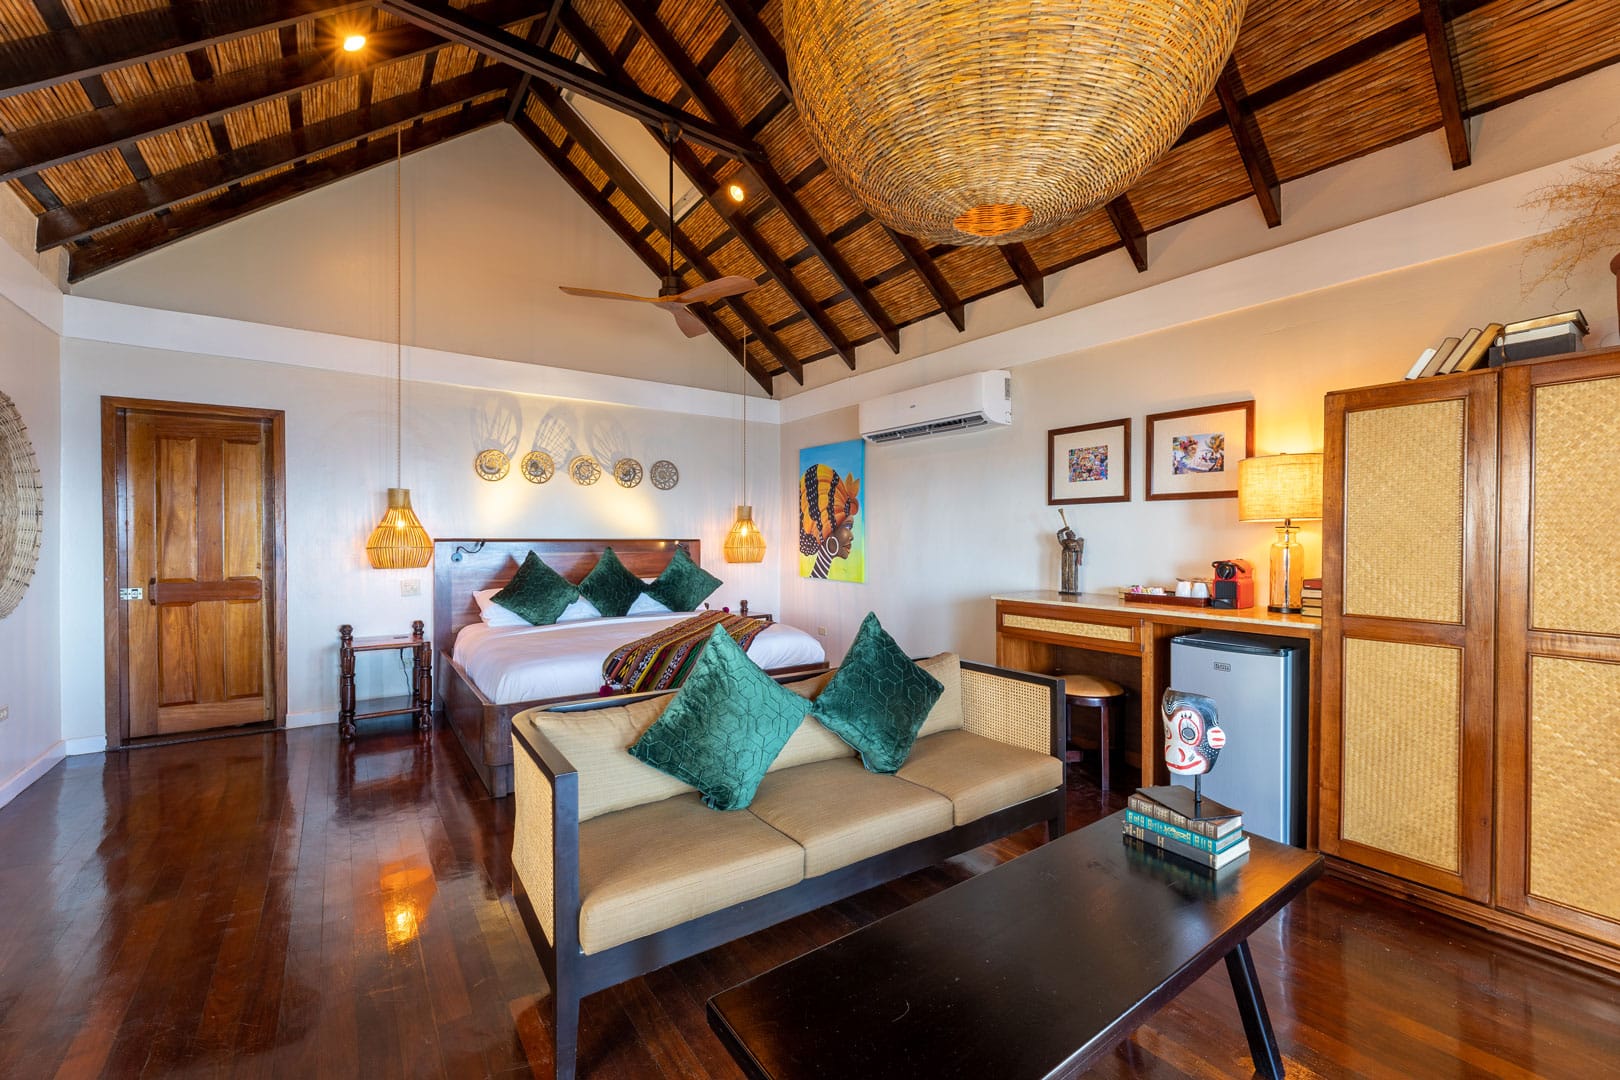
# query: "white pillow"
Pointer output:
{"type": "Point", "coordinates": [579, 609]}
{"type": "Point", "coordinates": [494, 614]}
{"type": "Point", "coordinates": [646, 605]}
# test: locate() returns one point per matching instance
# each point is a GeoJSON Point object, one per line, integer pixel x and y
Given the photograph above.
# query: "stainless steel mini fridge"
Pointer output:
{"type": "Point", "coordinates": [1259, 685]}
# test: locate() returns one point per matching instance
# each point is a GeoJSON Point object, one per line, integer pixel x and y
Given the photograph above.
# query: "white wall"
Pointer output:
{"type": "Point", "coordinates": [340, 458]}
{"type": "Point", "coordinates": [953, 520]}
{"type": "Point", "coordinates": [490, 231]}
{"type": "Point", "coordinates": [30, 644]}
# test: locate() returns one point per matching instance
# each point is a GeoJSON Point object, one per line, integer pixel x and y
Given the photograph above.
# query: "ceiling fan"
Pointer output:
{"type": "Point", "coordinates": [670, 294]}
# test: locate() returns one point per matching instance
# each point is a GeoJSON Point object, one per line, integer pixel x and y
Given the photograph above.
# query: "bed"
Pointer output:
{"type": "Point", "coordinates": [487, 675]}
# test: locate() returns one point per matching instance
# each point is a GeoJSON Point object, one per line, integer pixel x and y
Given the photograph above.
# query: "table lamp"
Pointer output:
{"type": "Point", "coordinates": [1285, 488]}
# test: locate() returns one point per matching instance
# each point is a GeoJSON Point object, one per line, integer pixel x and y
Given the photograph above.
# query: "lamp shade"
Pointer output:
{"type": "Point", "coordinates": [399, 542]}
{"type": "Point", "coordinates": [745, 543]}
{"type": "Point", "coordinates": [1280, 487]}
{"type": "Point", "coordinates": [973, 123]}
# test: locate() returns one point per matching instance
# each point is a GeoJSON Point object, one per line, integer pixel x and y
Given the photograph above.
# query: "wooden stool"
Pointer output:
{"type": "Point", "coordinates": [1104, 695]}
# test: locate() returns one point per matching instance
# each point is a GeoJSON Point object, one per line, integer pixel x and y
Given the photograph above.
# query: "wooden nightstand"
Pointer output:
{"type": "Point", "coordinates": [418, 703]}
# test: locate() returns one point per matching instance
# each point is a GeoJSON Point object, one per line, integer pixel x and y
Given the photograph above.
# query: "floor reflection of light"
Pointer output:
{"type": "Point", "coordinates": [407, 894]}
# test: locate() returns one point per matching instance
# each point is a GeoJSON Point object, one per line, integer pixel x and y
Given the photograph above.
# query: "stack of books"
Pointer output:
{"type": "Point", "coordinates": [1457, 354]}
{"type": "Point", "coordinates": [1163, 818]}
{"type": "Point", "coordinates": [1310, 597]}
{"type": "Point", "coordinates": [1548, 335]}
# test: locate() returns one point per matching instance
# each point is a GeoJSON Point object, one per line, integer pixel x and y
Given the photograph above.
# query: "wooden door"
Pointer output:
{"type": "Point", "coordinates": [1559, 658]}
{"type": "Point", "coordinates": [197, 522]}
{"type": "Point", "coordinates": [1408, 664]}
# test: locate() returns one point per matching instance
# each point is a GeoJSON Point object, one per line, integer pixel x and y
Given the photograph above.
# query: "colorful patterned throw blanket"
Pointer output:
{"type": "Point", "coordinates": [661, 661]}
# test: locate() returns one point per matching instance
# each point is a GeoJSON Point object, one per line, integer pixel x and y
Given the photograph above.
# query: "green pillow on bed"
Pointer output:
{"type": "Point", "coordinates": [878, 699]}
{"type": "Point", "coordinates": [536, 592]}
{"type": "Point", "coordinates": [724, 726]}
{"type": "Point", "coordinates": [611, 586]}
{"type": "Point", "coordinates": [684, 584]}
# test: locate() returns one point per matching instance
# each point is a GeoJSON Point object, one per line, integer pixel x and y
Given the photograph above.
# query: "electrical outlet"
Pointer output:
{"type": "Point", "coordinates": [410, 586]}
{"type": "Point", "coordinates": [821, 631]}
{"type": "Point", "coordinates": [5, 712]}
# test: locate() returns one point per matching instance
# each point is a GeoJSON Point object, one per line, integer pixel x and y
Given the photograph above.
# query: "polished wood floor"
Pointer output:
{"type": "Point", "coordinates": [280, 905]}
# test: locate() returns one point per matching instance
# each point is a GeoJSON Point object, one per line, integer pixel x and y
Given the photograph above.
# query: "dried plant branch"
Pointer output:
{"type": "Point", "coordinates": [1587, 206]}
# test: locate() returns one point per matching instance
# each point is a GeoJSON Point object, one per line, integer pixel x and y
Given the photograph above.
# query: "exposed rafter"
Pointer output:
{"type": "Point", "coordinates": [758, 37]}
{"type": "Point", "coordinates": [626, 181]}
{"type": "Point", "coordinates": [923, 266]}
{"type": "Point", "coordinates": [1251, 146]}
{"type": "Point", "coordinates": [70, 53]}
{"type": "Point", "coordinates": [508, 48]}
{"type": "Point", "coordinates": [1130, 232]}
{"type": "Point", "coordinates": [1024, 269]}
{"type": "Point", "coordinates": [645, 19]}
{"type": "Point", "coordinates": [1446, 83]}
{"type": "Point", "coordinates": [183, 222]}
{"type": "Point", "coordinates": [79, 220]}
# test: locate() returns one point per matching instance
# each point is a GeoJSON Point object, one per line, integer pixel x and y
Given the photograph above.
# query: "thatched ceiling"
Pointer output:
{"type": "Point", "coordinates": [126, 125]}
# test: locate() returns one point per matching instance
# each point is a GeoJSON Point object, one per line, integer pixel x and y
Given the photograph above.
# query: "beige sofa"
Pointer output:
{"type": "Point", "coordinates": [621, 869]}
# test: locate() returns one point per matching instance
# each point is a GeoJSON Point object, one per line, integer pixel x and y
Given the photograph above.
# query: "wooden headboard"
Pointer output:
{"type": "Point", "coordinates": [463, 567]}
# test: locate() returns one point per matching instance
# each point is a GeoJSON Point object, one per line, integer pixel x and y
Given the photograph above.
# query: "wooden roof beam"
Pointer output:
{"type": "Point", "coordinates": [1443, 61]}
{"type": "Point", "coordinates": [494, 41]}
{"type": "Point", "coordinates": [79, 220]}
{"type": "Point", "coordinates": [758, 37]}
{"type": "Point", "coordinates": [644, 18]}
{"type": "Point", "coordinates": [658, 216]}
{"type": "Point", "coordinates": [44, 145]}
{"type": "Point", "coordinates": [1024, 269]}
{"type": "Point", "coordinates": [597, 52]}
{"type": "Point", "coordinates": [68, 54]}
{"type": "Point", "coordinates": [183, 222]}
{"type": "Point", "coordinates": [1251, 146]}
{"type": "Point", "coordinates": [1129, 228]}
{"type": "Point", "coordinates": [633, 240]}
{"type": "Point", "coordinates": [922, 264]}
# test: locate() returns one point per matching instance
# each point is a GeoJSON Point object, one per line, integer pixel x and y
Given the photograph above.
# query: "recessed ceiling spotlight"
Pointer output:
{"type": "Point", "coordinates": [737, 192]}
{"type": "Point", "coordinates": [354, 42]}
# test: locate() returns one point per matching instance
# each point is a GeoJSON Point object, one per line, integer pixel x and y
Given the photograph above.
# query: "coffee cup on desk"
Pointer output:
{"type": "Point", "coordinates": [1184, 588]}
{"type": "Point", "coordinates": [1200, 590]}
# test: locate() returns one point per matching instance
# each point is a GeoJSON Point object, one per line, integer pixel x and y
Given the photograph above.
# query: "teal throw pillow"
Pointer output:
{"type": "Point", "coordinates": [878, 699]}
{"type": "Point", "coordinates": [684, 584]}
{"type": "Point", "coordinates": [610, 586]}
{"type": "Point", "coordinates": [724, 727]}
{"type": "Point", "coordinates": [536, 592]}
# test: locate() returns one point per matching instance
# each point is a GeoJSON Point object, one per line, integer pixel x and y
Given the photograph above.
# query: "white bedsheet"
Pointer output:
{"type": "Point", "coordinates": [528, 663]}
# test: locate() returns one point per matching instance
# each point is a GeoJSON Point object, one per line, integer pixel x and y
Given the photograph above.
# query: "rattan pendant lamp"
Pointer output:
{"type": "Point", "coordinates": [991, 121]}
{"type": "Point", "coordinates": [399, 542]}
{"type": "Point", "coordinates": [745, 543]}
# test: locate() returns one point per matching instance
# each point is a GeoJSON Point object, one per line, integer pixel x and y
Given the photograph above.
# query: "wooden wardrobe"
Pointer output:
{"type": "Point", "coordinates": [1470, 739]}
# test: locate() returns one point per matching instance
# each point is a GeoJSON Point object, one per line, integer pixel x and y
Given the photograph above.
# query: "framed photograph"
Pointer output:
{"type": "Point", "coordinates": [1194, 453]}
{"type": "Point", "coordinates": [1089, 464]}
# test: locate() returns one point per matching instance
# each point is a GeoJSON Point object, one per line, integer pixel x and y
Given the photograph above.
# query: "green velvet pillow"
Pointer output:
{"type": "Point", "coordinates": [536, 592]}
{"type": "Point", "coordinates": [610, 586]}
{"type": "Point", "coordinates": [878, 699]}
{"type": "Point", "coordinates": [724, 727]}
{"type": "Point", "coordinates": [684, 584]}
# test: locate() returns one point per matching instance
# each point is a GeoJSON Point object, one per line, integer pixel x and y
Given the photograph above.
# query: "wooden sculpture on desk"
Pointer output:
{"type": "Point", "coordinates": [1073, 551]}
{"type": "Point", "coordinates": [1192, 738]}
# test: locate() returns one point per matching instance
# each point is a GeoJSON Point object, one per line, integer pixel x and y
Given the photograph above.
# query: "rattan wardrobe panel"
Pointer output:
{"type": "Point", "coordinates": [1404, 511]}
{"type": "Point", "coordinates": [1574, 510]}
{"type": "Point", "coordinates": [1402, 735]}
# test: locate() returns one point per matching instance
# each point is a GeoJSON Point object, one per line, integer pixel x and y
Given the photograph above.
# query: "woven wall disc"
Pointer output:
{"type": "Point", "coordinates": [584, 470]}
{"type": "Point", "coordinates": [1000, 120]}
{"type": "Point", "coordinates": [538, 467]}
{"type": "Point", "coordinates": [492, 465]}
{"type": "Point", "coordinates": [627, 471]}
{"type": "Point", "coordinates": [664, 475]}
{"type": "Point", "coordinates": [22, 508]}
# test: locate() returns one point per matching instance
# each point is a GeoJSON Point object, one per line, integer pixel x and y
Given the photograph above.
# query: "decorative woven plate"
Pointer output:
{"type": "Point", "coordinates": [537, 467]}
{"type": "Point", "coordinates": [584, 470]}
{"type": "Point", "coordinates": [492, 465]}
{"type": "Point", "coordinates": [627, 471]}
{"type": "Point", "coordinates": [664, 475]}
{"type": "Point", "coordinates": [22, 504]}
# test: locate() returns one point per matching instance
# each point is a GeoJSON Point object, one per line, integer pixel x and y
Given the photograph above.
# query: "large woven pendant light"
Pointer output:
{"type": "Point", "coordinates": [745, 543]}
{"type": "Point", "coordinates": [399, 542]}
{"type": "Point", "coordinates": [991, 121]}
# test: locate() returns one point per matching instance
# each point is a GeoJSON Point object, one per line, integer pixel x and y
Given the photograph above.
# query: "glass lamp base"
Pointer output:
{"type": "Point", "coordinates": [1287, 572]}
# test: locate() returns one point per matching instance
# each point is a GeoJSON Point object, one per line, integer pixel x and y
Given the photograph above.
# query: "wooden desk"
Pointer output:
{"type": "Point", "coordinates": [1035, 631]}
{"type": "Point", "coordinates": [1035, 969]}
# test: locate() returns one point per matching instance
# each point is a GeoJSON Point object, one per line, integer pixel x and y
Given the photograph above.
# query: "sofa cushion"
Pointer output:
{"type": "Point", "coordinates": [724, 727]}
{"type": "Point", "coordinates": [979, 775]}
{"type": "Point", "coordinates": [812, 742]}
{"type": "Point", "coordinates": [878, 698]}
{"type": "Point", "coordinates": [611, 586]}
{"type": "Point", "coordinates": [651, 867]}
{"type": "Point", "coordinates": [946, 715]}
{"type": "Point", "coordinates": [536, 592]}
{"type": "Point", "coordinates": [841, 813]}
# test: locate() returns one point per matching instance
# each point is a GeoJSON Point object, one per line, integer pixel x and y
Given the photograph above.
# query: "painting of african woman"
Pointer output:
{"type": "Point", "coordinates": [832, 529]}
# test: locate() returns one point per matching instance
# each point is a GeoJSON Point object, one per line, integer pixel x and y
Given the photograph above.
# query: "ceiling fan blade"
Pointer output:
{"type": "Point", "coordinates": [690, 324]}
{"type": "Point", "coordinates": [602, 294]}
{"type": "Point", "coordinates": [716, 289]}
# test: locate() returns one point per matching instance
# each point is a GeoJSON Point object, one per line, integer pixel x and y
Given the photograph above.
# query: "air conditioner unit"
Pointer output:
{"type": "Point", "coordinates": [966, 403]}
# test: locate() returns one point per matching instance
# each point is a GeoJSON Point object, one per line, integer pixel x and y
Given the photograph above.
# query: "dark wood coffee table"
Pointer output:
{"type": "Point", "coordinates": [1034, 969]}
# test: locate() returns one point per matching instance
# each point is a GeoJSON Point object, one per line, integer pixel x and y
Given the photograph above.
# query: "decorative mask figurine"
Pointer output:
{"type": "Point", "coordinates": [1192, 738]}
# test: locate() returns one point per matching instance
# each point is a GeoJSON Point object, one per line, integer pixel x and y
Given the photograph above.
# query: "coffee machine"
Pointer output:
{"type": "Point", "coordinates": [1234, 584]}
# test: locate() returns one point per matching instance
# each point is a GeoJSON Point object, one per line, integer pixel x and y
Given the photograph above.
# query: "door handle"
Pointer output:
{"type": "Point", "coordinates": [151, 591]}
